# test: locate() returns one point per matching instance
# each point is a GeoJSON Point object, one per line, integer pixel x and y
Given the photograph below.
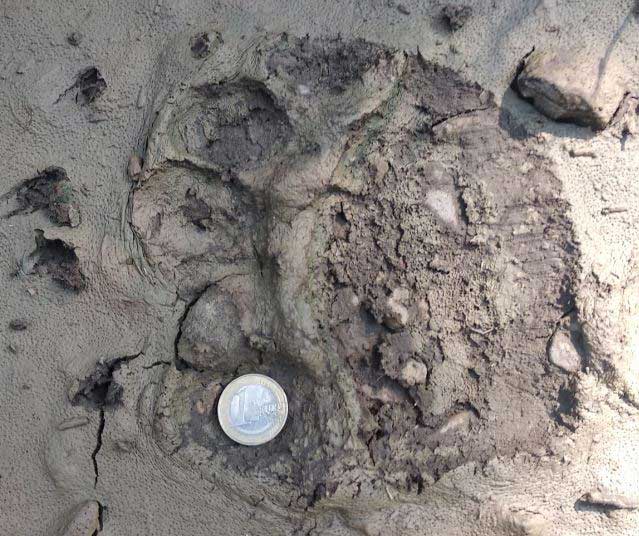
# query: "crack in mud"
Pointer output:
{"type": "Point", "coordinates": [99, 391]}
{"type": "Point", "coordinates": [156, 364]}
{"type": "Point", "coordinates": [180, 363]}
{"type": "Point", "coordinates": [96, 450]}
{"type": "Point", "coordinates": [454, 116]}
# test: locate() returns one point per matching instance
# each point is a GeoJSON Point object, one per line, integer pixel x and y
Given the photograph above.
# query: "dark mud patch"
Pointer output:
{"type": "Point", "coordinates": [196, 210]}
{"type": "Point", "coordinates": [52, 191]}
{"type": "Point", "coordinates": [200, 45]}
{"type": "Point", "coordinates": [235, 126]}
{"type": "Point", "coordinates": [440, 94]}
{"type": "Point", "coordinates": [203, 44]}
{"type": "Point", "coordinates": [456, 16]}
{"type": "Point", "coordinates": [19, 324]}
{"type": "Point", "coordinates": [566, 410]}
{"type": "Point", "coordinates": [58, 260]}
{"type": "Point", "coordinates": [99, 389]}
{"type": "Point", "coordinates": [87, 88]}
{"type": "Point", "coordinates": [295, 458]}
{"type": "Point", "coordinates": [91, 85]}
{"type": "Point", "coordinates": [324, 64]}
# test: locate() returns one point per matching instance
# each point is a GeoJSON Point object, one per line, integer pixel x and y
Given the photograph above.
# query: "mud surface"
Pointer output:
{"type": "Point", "coordinates": [359, 201]}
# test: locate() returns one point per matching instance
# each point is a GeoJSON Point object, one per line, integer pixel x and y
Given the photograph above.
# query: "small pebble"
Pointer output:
{"type": "Point", "coordinates": [413, 373]}
{"type": "Point", "coordinates": [456, 422]}
{"type": "Point", "coordinates": [563, 354]}
{"type": "Point", "coordinates": [397, 315]}
{"type": "Point", "coordinates": [134, 167]}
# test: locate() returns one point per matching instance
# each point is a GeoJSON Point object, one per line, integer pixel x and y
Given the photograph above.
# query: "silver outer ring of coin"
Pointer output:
{"type": "Point", "coordinates": [224, 407]}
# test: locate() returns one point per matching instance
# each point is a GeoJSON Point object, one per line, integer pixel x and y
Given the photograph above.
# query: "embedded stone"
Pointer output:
{"type": "Point", "coordinates": [572, 86]}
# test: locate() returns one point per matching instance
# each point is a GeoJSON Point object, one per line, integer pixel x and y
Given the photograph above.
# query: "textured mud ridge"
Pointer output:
{"type": "Point", "coordinates": [354, 222]}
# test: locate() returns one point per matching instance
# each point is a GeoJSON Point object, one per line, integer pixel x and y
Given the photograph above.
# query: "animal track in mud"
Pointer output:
{"type": "Point", "coordinates": [355, 223]}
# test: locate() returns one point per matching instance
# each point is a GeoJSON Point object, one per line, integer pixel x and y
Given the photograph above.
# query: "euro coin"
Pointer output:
{"type": "Point", "coordinates": [252, 409]}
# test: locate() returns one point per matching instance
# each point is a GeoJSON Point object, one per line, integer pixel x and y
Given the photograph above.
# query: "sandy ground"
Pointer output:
{"type": "Point", "coordinates": [55, 455]}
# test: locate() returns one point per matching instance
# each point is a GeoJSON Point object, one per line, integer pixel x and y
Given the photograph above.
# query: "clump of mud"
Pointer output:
{"type": "Point", "coordinates": [355, 223]}
{"type": "Point", "coordinates": [429, 270]}
{"type": "Point", "coordinates": [52, 191]}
